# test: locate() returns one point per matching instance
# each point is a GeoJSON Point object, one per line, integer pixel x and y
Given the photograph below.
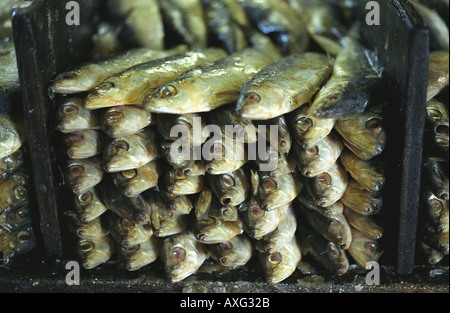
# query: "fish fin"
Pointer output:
{"type": "Point", "coordinates": [203, 203]}
{"type": "Point", "coordinates": [254, 182]}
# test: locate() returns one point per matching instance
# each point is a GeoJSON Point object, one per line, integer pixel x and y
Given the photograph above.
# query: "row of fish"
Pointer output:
{"type": "Point", "coordinates": [433, 213]}
{"type": "Point", "coordinates": [16, 232]}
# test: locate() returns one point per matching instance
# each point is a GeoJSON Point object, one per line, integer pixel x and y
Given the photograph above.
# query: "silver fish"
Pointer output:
{"type": "Point", "coordinates": [231, 188]}
{"type": "Point", "coordinates": [435, 176]}
{"type": "Point", "coordinates": [94, 252]}
{"type": "Point", "coordinates": [82, 175]}
{"type": "Point", "coordinates": [135, 181]}
{"type": "Point", "coordinates": [72, 116]}
{"type": "Point", "coordinates": [125, 120]}
{"type": "Point", "coordinates": [233, 253]}
{"type": "Point", "coordinates": [182, 255]}
{"type": "Point", "coordinates": [84, 144]}
{"type": "Point", "coordinates": [363, 249]}
{"type": "Point", "coordinates": [361, 200]}
{"type": "Point", "coordinates": [126, 233]}
{"type": "Point", "coordinates": [89, 205]}
{"type": "Point", "coordinates": [143, 254]}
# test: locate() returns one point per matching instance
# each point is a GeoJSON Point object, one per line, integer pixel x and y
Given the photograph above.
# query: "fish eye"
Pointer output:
{"type": "Point", "coordinates": [113, 116]}
{"type": "Point", "coordinates": [313, 151]}
{"type": "Point", "coordinates": [434, 114]}
{"type": "Point", "coordinates": [23, 236]}
{"type": "Point", "coordinates": [184, 122]}
{"type": "Point", "coordinates": [126, 224]}
{"type": "Point", "coordinates": [333, 97]}
{"type": "Point", "coordinates": [75, 136]}
{"type": "Point", "coordinates": [304, 124]}
{"type": "Point", "coordinates": [85, 198]}
{"type": "Point", "coordinates": [334, 250]}
{"type": "Point", "coordinates": [324, 179]}
{"type": "Point", "coordinates": [76, 170]}
{"type": "Point", "coordinates": [228, 180]}
{"type": "Point", "coordinates": [129, 174]}
{"type": "Point", "coordinates": [374, 125]}
{"type": "Point", "coordinates": [334, 222]}
{"type": "Point", "coordinates": [168, 91]}
{"type": "Point", "coordinates": [256, 211]}
{"type": "Point", "coordinates": [252, 97]}
{"type": "Point", "coordinates": [120, 145]}
{"type": "Point", "coordinates": [178, 254]}
{"type": "Point", "coordinates": [69, 109]}
{"type": "Point", "coordinates": [442, 130]}
{"type": "Point", "coordinates": [274, 258]}
{"type": "Point", "coordinates": [20, 192]}
{"type": "Point", "coordinates": [22, 213]}
{"type": "Point", "coordinates": [86, 245]}
{"type": "Point", "coordinates": [225, 245]}
{"type": "Point", "coordinates": [224, 260]}
{"type": "Point", "coordinates": [106, 86]}
{"type": "Point", "coordinates": [437, 206]}
{"type": "Point", "coordinates": [371, 247]}
{"type": "Point", "coordinates": [133, 248]}
{"type": "Point", "coordinates": [269, 184]}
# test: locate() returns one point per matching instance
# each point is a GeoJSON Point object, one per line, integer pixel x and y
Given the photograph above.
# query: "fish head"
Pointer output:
{"type": "Point", "coordinates": [182, 256]}
{"type": "Point", "coordinates": [364, 249]}
{"type": "Point", "coordinates": [71, 81]}
{"type": "Point", "coordinates": [259, 222]}
{"type": "Point", "coordinates": [253, 106]}
{"type": "Point", "coordinates": [235, 252]}
{"type": "Point", "coordinates": [335, 259]}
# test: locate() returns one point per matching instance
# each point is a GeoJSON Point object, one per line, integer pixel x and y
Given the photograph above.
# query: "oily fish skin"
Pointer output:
{"type": "Point", "coordinates": [90, 75]}
{"type": "Point", "coordinates": [134, 84]}
{"type": "Point", "coordinates": [210, 86]}
{"type": "Point", "coordinates": [283, 86]}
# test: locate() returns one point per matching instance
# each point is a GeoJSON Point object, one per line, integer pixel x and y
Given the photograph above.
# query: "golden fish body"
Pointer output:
{"type": "Point", "coordinates": [11, 163]}
{"type": "Point", "coordinates": [364, 134]}
{"type": "Point", "coordinates": [319, 158]}
{"type": "Point", "coordinates": [144, 31]}
{"type": "Point", "coordinates": [365, 224]}
{"type": "Point", "coordinates": [329, 186]}
{"type": "Point", "coordinates": [84, 144]}
{"type": "Point", "coordinates": [12, 135]}
{"type": "Point", "coordinates": [242, 130]}
{"type": "Point", "coordinates": [363, 249]}
{"type": "Point", "coordinates": [88, 76]}
{"type": "Point", "coordinates": [285, 164]}
{"type": "Point", "coordinates": [223, 155]}
{"type": "Point", "coordinates": [14, 190]}
{"type": "Point", "coordinates": [171, 125]}
{"type": "Point", "coordinates": [127, 233]}
{"type": "Point", "coordinates": [361, 200]}
{"type": "Point", "coordinates": [273, 192]}
{"type": "Point", "coordinates": [231, 188]}
{"type": "Point", "coordinates": [325, 252]}
{"type": "Point", "coordinates": [185, 186]}
{"type": "Point", "coordinates": [233, 253]}
{"type": "Point", "coordinates": [197, 168]}
{"type": "Point", "coordinates": [182, 255]}
{"type": "Point", "coordinates": [207, 87]}
{"type": "Point", "coordinates": [125, 120]}
{"type": "Point", "coordinates": [130, 152]}
{"type": "Point", "coordinates": [94, 229]}
{"type": "Point", "coordinates": [143, 254]}
{"type": "Point", "coordinates": [72, 116]}
{"type": "Point", "coordinates": [134, 209]}
{"type": "Point", "coordinates": [281, 236]}
{"type": "Point", "coordinates": [94, 252]}
{"type": "Point", "coordinates": [334, 228]}
{"type": "Point", "coordinates": [282, 263]}
{"type": "Point", "coordinates": [135, 181]}
{"type": "Point", "coordinates": [89, 205]}
{"type": "Point", "coordinates": [369, 174]}
{"type": "Point", "coordinates": [346, 93]}
{"type": "Point", "coordinates": [284, 143]}
{"type": "Point", "coordinates": [308, 201]}
{"type": "Point", "coordinates": [178, 204]}
{"type": "Point", "coordinates": [133, 85]}
{"type": "Point", "coordinates": [283, 86]}
{"type": "Point", "coordinates": [165, 222]}
{"type": "Point", "coordinates": [187, 19]}
{"type": "Point", "coordinates": [82, 175]}
{"type": "Point", "coordinates": [258, 222]}
{"type": "Point", "coordinates": [438, 73]}
{"type": "Point", "coordinates": [307, 129]}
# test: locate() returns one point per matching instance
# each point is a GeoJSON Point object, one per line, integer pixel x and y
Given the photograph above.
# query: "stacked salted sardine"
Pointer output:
{"type": "Point", "coordinates": [148, 170]}
{"type": "Point", "coordinates": [434, 217]}
{"type": "Point", "coordinates": [16, 232]}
